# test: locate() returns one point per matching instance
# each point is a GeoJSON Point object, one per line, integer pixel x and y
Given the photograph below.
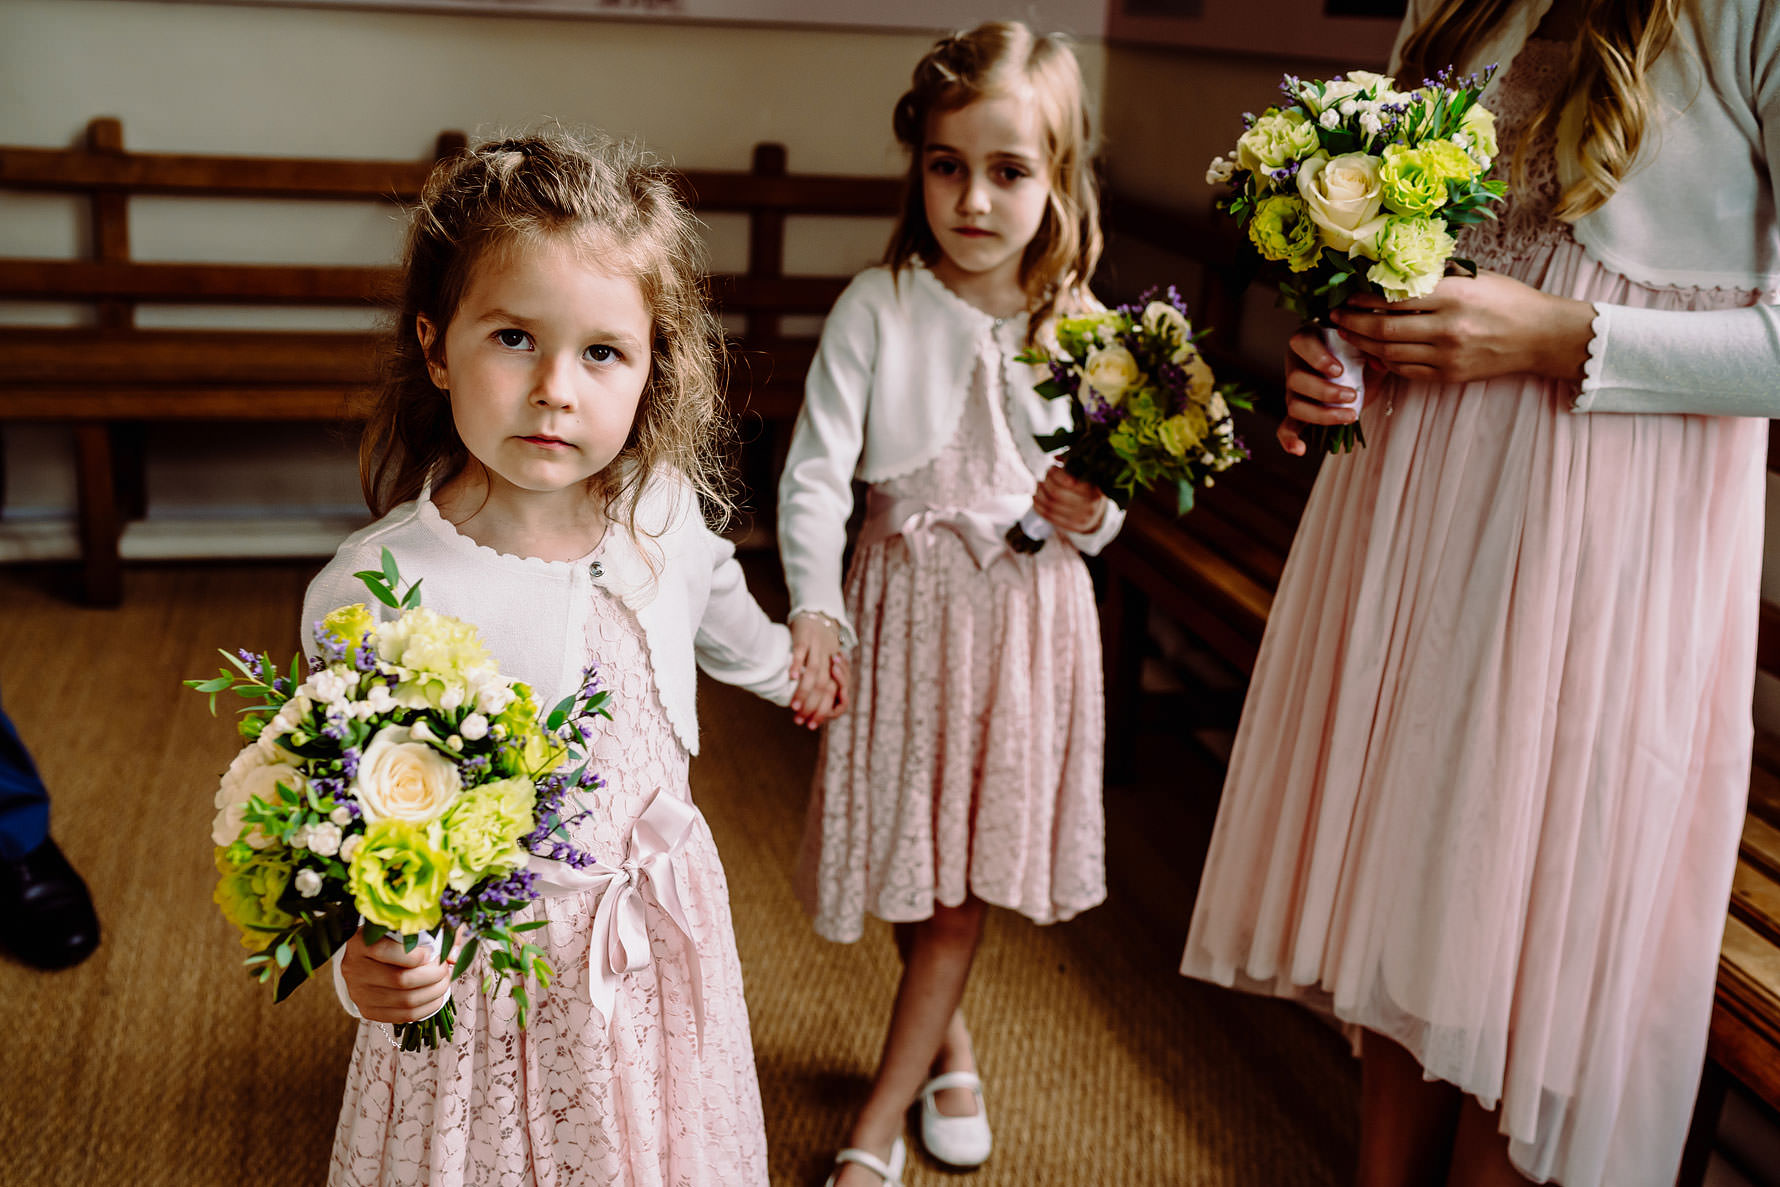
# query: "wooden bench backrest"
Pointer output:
{"type": "Point", "coordinates": [108, 175]}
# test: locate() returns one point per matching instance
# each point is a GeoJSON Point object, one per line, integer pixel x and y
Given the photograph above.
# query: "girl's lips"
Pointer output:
{"type": "Point", "coordinates": [972, 232]}
{"type": "Point", "coordinates": [557, 442]}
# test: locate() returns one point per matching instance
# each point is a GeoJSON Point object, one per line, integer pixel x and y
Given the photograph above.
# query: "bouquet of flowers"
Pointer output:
{"type": "Point", "coordinates": [1146, 408]}
{"type": "Point", "coordinates": [401, 783]}
{"type": "Point", "coordinates": [1354, 186]}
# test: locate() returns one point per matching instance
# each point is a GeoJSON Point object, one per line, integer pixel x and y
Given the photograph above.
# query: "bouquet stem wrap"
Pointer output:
{"type": "Point", "coordinates": [1343, 438]}
{"type": "Point", "coordinates": [1030, 534]}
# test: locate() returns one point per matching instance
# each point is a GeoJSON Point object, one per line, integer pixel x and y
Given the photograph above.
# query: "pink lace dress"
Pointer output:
{"type": "Point", "coordinates": [571, 1099]}
{"type": "Point", "coordinates": [970, 762]}
{"type": "Point", "coordinates": [1487, 789]}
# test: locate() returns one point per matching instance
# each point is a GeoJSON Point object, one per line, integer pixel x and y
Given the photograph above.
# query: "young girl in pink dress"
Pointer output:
{"type": "Point", "coordinates": [969, 769]}
{"type": "Point", "coordinates": [539, 455]}
{"type": "Point", "coordinates": [1485, 798]}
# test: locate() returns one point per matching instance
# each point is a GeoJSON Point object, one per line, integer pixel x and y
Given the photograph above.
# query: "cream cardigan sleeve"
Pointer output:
{"type": "Point", "coordinates": [736, 642]}
{"type": "Point", "coordinates": [816, 489]}
{"type": "Point", "coordinates": [1710, 363]}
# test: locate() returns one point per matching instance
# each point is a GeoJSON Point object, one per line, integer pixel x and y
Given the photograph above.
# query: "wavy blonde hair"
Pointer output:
{"type": "Point", "coordinates": [998, 59]}
{"type": "Point", "coordinates": [1620, 41]}
{"type": "Point", "coordinates": [617, 203]}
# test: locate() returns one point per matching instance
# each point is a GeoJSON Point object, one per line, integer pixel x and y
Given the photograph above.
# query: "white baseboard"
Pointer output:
{"type": "Point", "coordinates": [210, 537]}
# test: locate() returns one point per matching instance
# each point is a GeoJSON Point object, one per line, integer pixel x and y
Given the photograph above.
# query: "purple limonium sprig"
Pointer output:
{"type": "Point", "coordinates": [1285, 172]}
{"type": "Point", "coordinates": [591, 685]}
{"type": "Point", "coordinates": [335, 729]}
{"type": "Point", "coordinates": [349, 762]}
{"type": "Point", "coordinates": [364, 656]}
{"type": "Point", "coordinates": [499, 896]}
{"type": "Point", "coordinates": [332, 650]}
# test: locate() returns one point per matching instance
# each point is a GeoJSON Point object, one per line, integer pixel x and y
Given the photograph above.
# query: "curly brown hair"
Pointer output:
{"type": "Point", "coordinates": [999, 58]}
{"type": "Point", "coordinates": [608, 195]}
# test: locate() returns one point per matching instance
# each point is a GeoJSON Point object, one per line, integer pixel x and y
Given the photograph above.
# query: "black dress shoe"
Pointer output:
{"type": "Point", "coordinates": [46, 915]}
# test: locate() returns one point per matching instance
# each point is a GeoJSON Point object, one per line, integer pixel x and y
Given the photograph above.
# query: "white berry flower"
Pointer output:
{"type": "Point", "coordinates": [308, 883]}
{"type": "Point", "coordinates": [474, 727]}
{"type": "Point", "coordinates": [324, 838]}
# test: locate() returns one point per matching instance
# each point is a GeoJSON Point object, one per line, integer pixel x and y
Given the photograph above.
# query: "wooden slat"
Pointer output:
{"type": "Point", "coordinates": [169, 173]}
{"type": "Point", "coordinates": [278, 177]}
{"type": "Point", "coordinates": [1760, 847]}
{"type": "Point", "coordinates": [51, 357]}
{"type": "Point", "coordinates": [202, 403]}
{"type": "Point", "coordinates": [1755, 899]}
{"type": "Point", "coordinates": [1746, 1020]}
{"type": "Point", "coordinates": [327, 284]}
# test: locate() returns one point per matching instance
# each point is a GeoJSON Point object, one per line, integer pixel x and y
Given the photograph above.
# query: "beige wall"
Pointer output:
{"type": "Point", "coordinates": [308, 82]}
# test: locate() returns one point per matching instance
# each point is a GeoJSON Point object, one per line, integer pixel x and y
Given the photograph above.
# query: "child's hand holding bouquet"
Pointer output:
{"type": "Point", "coordinates": [1354, 186]}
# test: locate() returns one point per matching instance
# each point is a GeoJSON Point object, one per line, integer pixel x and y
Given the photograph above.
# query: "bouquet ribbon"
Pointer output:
{"type": "Point", "coordinates": [650, 872]}
{"type": "Point", "coordinates": [981, 526]}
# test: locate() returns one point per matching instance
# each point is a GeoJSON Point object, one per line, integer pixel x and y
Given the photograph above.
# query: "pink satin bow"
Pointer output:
{"type": "Point", "coordinates": [649, 874]}
{"type": "Point", "coordinates": [982, 528]}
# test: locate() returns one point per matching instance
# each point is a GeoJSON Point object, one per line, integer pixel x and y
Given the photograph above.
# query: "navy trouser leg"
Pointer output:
{"type": "Point", "coordinates": [24, 800]}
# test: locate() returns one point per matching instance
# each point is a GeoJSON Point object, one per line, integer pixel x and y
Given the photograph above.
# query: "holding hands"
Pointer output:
{"type": "Point", "coordinates": [1468, 328]}
{"type": "Point", "coordinates": [820, 668]}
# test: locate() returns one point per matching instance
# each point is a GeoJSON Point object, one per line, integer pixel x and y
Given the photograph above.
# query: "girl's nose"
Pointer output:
{"type": "Point", "coordinates": [553, 385]}
{"type": "Point", "coordinates": [974, 197]}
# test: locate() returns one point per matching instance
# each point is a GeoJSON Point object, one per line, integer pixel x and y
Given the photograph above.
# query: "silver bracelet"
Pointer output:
{"type": "Point", "coordinates": [840, 631]}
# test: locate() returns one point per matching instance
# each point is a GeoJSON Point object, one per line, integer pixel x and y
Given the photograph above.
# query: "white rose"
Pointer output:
{"type": "Point", "coordinates": [308, 883]}
{"type": "Point", "coordinates": [253, 773]}
{"type": "Point", "coordinates": [1344, 197]}
{"type": "Point", "coordinates": [324, 838]}
{"type": "Point", "coordinates": [350, 846]}
{"type": "Point", "coordinates": [474, 727]}
{"type": "Point", "coordinates": [400, 778]}
{"type": "Point", "coordinates": [1112, 372]}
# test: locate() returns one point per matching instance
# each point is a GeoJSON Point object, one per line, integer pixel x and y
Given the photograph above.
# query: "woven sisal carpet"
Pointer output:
{"type": "Point", "coordinates": [159, 1062]}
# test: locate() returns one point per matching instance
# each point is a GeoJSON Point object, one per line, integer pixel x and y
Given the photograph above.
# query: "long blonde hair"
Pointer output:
{"type": "Point", "coordinates": [1620, 41]}
{"type": "Point", "coordinates": [999, 58]}
{"type": "Point", "coordinates": [612, 198]}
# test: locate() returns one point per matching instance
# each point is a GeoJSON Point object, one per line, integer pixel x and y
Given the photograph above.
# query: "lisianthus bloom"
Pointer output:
{"type": "Point", "coordinates": [1181, 432]}
{"type": "Point", "coordinates": [1282, 229]}
{"type": "Point", "coordinates": [1411, 180]}
{"type": "Point", "coordinates": [1479, 129]}
{"type": "Point", "coordinates": [1276, 139]}
{"type": "Point", "coordinates": [1167, 323]}
{"type": "Point", "coordinates": [348, 625]}
{"type": "Point", "coordinates": [397, 876]}
{"type": "Point", "coordinates": [248, 893]}
{"type": "Point", "coordinates": [1412, 255]}
{"type": "Point", "coordinates": [482, 830]}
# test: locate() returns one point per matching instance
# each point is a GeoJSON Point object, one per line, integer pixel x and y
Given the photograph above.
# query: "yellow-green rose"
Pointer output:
{"type": "Point", "coordinates": [1479, 130]}
{"type": "Point", "coordinates": [248, 894]}
{"type": "Point", "coordinates": [1282, 229]}
{"type": "Point", "coordinates": [1410, 181]}
{"type": "Point", "coordinates": [1344, 195]}
{"type": "Point", "coordinates": [349, 624]}
{"type": "Point", "coordinates": [481, 831]}
{"type": "Point", "coordinates": [397, 876]}
{"type": "Point", "coordinates": [1412, 255]}
{"type": "Point", "coordinates": [400, 778]}
{"type": "Point", "coordinates": [1275, 139]}
{"type": "Point", "coordinates": [1111, 371]}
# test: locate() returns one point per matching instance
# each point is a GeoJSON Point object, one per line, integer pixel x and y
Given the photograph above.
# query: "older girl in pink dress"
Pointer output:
{"type": "Point", "coordinates": [968, 772]}
{"type": "Point", "coordinates": [1486, 794]}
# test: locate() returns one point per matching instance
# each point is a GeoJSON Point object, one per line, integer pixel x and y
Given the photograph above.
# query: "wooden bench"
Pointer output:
{"type": "Point", "coordinates": [1214, 573]}
{"type": "Point", "coordinates": [107, 379]}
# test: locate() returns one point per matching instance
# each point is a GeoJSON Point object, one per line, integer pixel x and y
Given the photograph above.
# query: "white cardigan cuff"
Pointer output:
{"type": "Point", "coordinates": [1723, 362]}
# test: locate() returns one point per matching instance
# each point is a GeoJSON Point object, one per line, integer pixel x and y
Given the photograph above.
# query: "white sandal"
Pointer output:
{"type": "Point", "coordinates": [957, 1141]}
{"type": "Point", "coordinates": [891, 1173]}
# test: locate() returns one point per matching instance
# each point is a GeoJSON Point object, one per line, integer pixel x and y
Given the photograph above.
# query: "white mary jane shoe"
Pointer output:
{"type": "Point", "coordinates": [956, 1141]}
{"type": "Point", "coordinates": [891, 1173]}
